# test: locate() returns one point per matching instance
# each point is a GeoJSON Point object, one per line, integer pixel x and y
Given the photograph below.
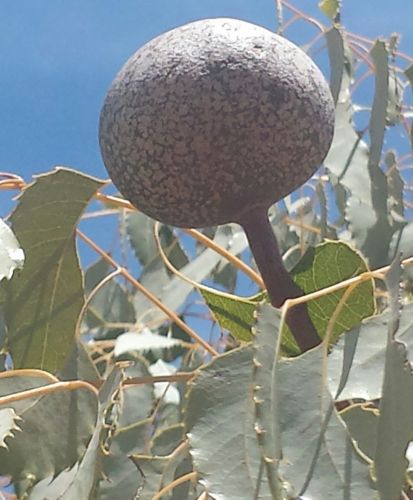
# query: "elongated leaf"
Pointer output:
{"type": "Point", "coordinates": [409, 73]}
{"type": "Point", "coordinates": [380, 56]}
{"type": "Point", "coordinates": [335, 45]}
{"type": "Point", "coordinates": [348, 156]}
{"type": "Point", "coordinates": [51, 439]}
{"type": "Point", "coordinates": [266, 392]}
{"type": "Point", "coordinates": [395, 426]}
{"type": "Point", "coordinates": [395, 185]}
{"type": "Point", "coordinates": [402, 241]}
{"type": "Point", "coordinates": [81, 479]}
{"type": "Point", "coordinates": [396, 421]}
{"type": "Point", "coordinates": [395, 91]}
{"type": "Point", "coordinates": [366, 375]}
{"type": "Point", "coordinates": [42, 304]}
{"type": "Point", "coordinates": [220, 424]}
{"type": "Point", "coordinates": [11, 255]}
{"type": "Point", "coordinates": [140, 229]}
{"type": "Point", "coordinates": [372, 228]}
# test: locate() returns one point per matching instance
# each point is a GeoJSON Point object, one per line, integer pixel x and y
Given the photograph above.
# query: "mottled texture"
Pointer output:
{"type": "Point", "coordinates": [212, 119]}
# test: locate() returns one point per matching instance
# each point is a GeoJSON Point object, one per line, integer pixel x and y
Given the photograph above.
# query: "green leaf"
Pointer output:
{"type": "Point", "coordinates": [172, 247]}
{"type": "Point", "coordinates": [157, 472]}
{"type": "Point", "coordinates": [372, 228]}
{"type": "Point", "coordinates": [232, 313]}
{"type": "Point", "coordinates": [175, 291]}
{"type": "Point", "coordinates": [266, 392]}
{"type": "Point", "coordinates": [220, 427]}
{"type": "Point", "coordinates": [122, 478]}
{"type": "Point", "coordinates": [11, 255]}
{"type": "Point", "coordinates": [361, 421]}
{"type": "Point", "coordinates": [348, 156]}
{"type": "Point", "coordinates": [226, 276]}
{"type": "Point", "coordinates": [80, 481]}
{"type": "Point", "coordinates": [165, 441]}
{"type": "Point", "coordinates": [395, 186]}
{"type": "Point", "coordinates": [380, 57]}
{"type": "Point", "coordinates": [331, 8]}
{"type": "Point", "coordinates": [335, 46]}
{"type": "Point", "coordinates": [379, 235]}
{"type": "Point", "coordinates": [51, 439]}
{"type": "Point", "coordinates": [43, 302]}
{"type": "Point", "coordinates": [402, 241]}
{"type": "Point", "coordinates": [111, 304]}
{"type": "Point", "coordinates": [79, 366]}
{"type": "Point", "coordinates": [395, 426]}
{"type": "Point", "coordinates": [8, 425]}
{"type": "Point", "coordinates": [367, 373]}
{"type": "Point", "coordinates": [137, 400]}
{"type": "Point", "coordinates": [319, 458]}
{"type": "Point", "coordinates": [409, 73]}
{"type": "Point", "coordinates": [140, 229]}
{"type": "Point", "coordinates": [395, 90]}
{"type": "Point", "coordinates": [174, 331]}
{"type": "Point", "coordinates": [325, 265]}
{"type": "Point", "coordinates": [95, 273]}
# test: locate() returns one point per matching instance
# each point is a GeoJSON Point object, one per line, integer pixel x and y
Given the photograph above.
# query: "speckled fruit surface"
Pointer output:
{"type": "Point", "coordinates": [212, 119]}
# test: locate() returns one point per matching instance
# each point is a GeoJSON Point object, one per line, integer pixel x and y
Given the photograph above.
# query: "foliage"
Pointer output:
{"type": "Point", "coordinates": [171, 385]}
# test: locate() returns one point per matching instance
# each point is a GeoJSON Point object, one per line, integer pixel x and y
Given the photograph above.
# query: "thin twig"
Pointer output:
{"type": "Point", "coordinates": [191, 476]}
{"type": "Point", "coordinates": [176, 377]}
{"type": "Point", "coordinates": [72, 385]}
{"type": "Point", "coordinates": [29, 372]}
{"type": "Point", "coordinates": [361, 278]}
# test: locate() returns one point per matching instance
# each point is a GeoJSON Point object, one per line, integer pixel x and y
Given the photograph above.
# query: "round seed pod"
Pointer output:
{"type": "Point", "coordinates": [213, 122]}
{"type": "Point", "coordinates": [212, 119]}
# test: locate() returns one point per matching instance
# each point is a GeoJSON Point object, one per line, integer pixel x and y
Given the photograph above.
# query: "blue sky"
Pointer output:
{"type": "Point", "coordinates": [58, 58]}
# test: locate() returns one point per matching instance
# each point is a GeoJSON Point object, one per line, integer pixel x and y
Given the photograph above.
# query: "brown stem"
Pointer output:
{"type": "Point", "coordinates": [279, 283]}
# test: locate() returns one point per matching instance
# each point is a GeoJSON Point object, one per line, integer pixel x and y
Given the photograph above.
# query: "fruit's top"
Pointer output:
{"type": "Point", "coordinates": [213, 118]}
